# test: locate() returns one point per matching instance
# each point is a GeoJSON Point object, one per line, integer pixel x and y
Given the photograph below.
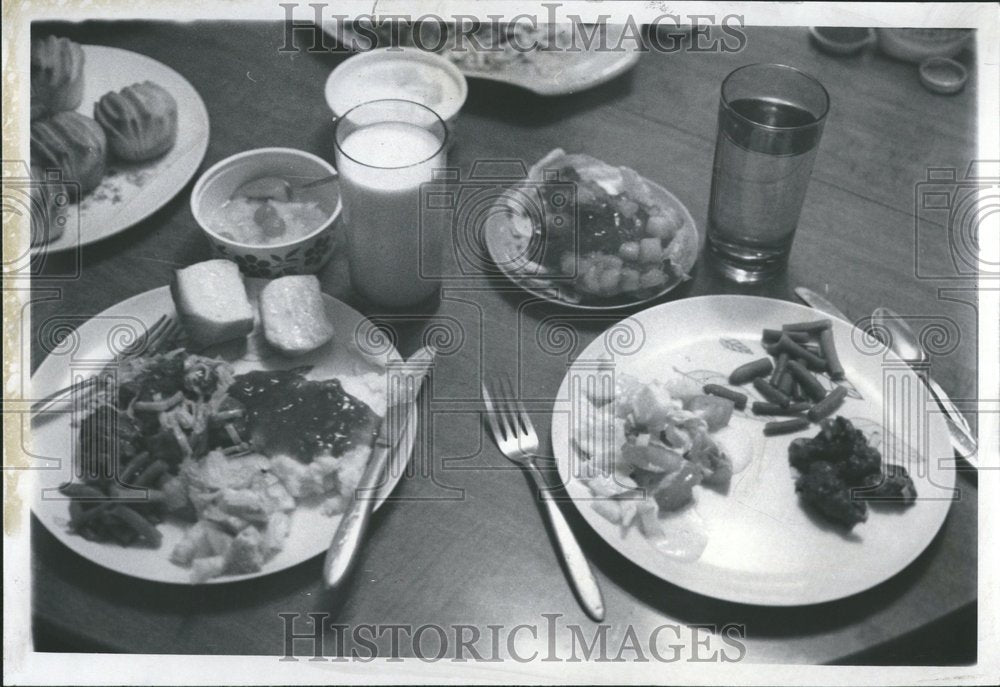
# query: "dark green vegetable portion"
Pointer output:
{"type": "Point", "coordinates": [829, 349]}
{"type": "Point", "coordinates": [744, 373]}
{"type": "Point", "coordinates": [813, 327]}
{"type": "Point", "coordinates": [739, 400]}
{"type": "Point", "coordinates": [786, 426]}
{"type": "Point", "coordinates": [828, 405]}
{"type": "Point", "coordinates": [771, 393]}
{"type": "Point", "coordinates": [810, 385]}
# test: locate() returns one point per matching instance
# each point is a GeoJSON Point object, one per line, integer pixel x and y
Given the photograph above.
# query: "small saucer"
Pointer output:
{"type": "Point", "coordinates": [943, 75]}
{"type": "Point", "coordinates": [841, 40]}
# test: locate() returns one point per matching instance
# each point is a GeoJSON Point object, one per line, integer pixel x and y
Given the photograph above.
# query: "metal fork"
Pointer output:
{"type": "Point", "coordinates": [163, 333]}
{"type": "Point", "coordinates": [515, 436]}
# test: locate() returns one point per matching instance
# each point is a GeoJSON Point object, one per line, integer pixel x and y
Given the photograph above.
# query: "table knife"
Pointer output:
{"type": "Point", "coordinates": [904, 343]}
{"type": "Point", "coordinates": [958, 429]}
{"type": "Point", "coordinates": [392, 447]}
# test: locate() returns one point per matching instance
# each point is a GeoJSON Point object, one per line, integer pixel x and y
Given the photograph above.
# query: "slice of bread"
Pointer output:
{"type": "Point", "coordinates": [212, 302]}
{"type": "Point", "coordinates": [293, 314]}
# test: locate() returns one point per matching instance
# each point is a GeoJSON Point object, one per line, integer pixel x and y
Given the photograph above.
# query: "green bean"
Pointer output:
{"type": "Point", "coordinates": [786, 383]}
{"type": "Point", "coordinates": [744, 373]}
{"type": "Point", "coordinates": [828, 404]}
{"type": "Point", "coordinates": [810, 384]}
{"type": "Point", "coordinates": [142, 527]}
{"type": "Point", "coordinates": [771, 393]}
{"type": "Point", "coordinates": [148, 477]}
{"type": "Point", "coordinates": [794, 350]}
{"type": "Point", "coordinates": [779, 368]}
{"type": "Point", "coordinates": [813, 327]}
{"type": "Point", "coordinates": [772, 336]}
{"type": "Point", "coordinates": [761, 408]}
{"type": "Point", "coordinates": [78, 490]}
{"type": "Point", "coordinates": [786, 426]}
{"type": "Point", "coordinates": [829, 349]}
{"type": "Point", "coordinates": [739, 400]}
{"type": "Point", "coordinates": [135, 466]}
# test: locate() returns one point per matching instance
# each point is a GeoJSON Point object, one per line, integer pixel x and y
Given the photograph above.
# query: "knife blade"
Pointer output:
{"type": "Point", "coordinates": [958, 429]}
{"type": "Point", "coordinates": [392, 449]}
{"type": "Point", "coordinates": [904, 343]}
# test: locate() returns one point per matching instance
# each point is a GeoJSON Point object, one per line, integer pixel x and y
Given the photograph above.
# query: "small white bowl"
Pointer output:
{"type": "Point", "coordinates": [299, 256]}
{"type": "Point", "coordinates": [402, 73]}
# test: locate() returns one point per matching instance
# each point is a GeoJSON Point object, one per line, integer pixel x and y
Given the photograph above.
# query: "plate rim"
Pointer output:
{"type": "Point", "coordinates": [754, 598]}
{"type": "Point", "coordinates": [70, 541]}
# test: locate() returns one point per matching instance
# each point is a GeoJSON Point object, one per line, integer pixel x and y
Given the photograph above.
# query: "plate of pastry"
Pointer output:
{"type": "Point", "coordinates": [114, 136]}
{"type": "Point", "coordinates": [229, 454]}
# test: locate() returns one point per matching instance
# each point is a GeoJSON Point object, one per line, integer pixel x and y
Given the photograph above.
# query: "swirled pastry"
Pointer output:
{"type": "Point", "coordinates": [49, 199]}
{"type": "Point", "coordinates": [56, 73]}
{"type": "Point", "coordinates": [140, 121]}
{"type": "Point", "coordinates": [72, 143]}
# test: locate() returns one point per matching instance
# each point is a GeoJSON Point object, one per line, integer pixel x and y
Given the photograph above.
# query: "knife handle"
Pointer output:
{"type": "Point", "coordinates": [343, 551]}
{"type": "Point", "coordinates": [346, 543]}
{"type": "Point", "coordinates": [580, 575]}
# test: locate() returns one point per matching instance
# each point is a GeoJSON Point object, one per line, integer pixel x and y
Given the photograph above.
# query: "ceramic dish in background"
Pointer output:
{"type": "Point", "coordinates": [943, 75]}
{"type": "Point", "coordinates": [546, 72]}
{"type": "Point", "coordinates": [842, 40]}
{"type": "Point", "coordinates": [303, 255]}
{"type": "Point", "coordinates": [916, 45]}
{"type": "Point", "coordinates": [407, 73]}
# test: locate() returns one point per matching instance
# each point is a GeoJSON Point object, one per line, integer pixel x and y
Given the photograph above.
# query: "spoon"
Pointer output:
{"type": "Point", "coordinates": [275, 188]}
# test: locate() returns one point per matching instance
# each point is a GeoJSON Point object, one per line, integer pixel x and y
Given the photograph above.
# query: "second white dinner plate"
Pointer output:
{"type": "Point", "coordinates": [764, 547]}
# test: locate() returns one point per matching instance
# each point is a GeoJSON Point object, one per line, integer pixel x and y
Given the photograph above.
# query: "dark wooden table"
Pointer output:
{"type": "Point", "coordinates": [486, 559]}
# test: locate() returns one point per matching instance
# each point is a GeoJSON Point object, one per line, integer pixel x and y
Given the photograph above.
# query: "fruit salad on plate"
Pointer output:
{"type": "Point", "coordinates": [647, 452]}
{"type": "Point", "coordinates": [597, 232]}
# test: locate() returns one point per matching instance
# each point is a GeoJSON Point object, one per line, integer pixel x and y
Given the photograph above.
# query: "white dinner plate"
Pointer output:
{"type": "Point", "coordinates": [763, 546]}
{"type": "Point", "coordinates": [53, 439]}
{"type": "Point", "coordinates": [557, 72]}
{"type": "Point", "coordinates": [132, 191]}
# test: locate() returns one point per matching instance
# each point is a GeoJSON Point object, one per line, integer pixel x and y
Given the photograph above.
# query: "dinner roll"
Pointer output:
{"type": "Point", "coordinates": [72, 143]}
{"type": "Point", "coordinates": [56, 73]}
{"type": "Point", "coordinates": [140, 121]}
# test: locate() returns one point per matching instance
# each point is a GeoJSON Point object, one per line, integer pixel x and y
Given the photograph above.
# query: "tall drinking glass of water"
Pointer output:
{"type": "Point", "coordinates": [385, 151]}
{"type": "Point", "coordinates": [770, 121]}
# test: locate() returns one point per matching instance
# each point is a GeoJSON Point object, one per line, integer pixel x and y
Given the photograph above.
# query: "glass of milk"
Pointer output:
{"type": "Point", "coordinates": [386, 149]}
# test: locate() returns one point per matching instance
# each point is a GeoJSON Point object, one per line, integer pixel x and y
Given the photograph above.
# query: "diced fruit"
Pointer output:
{"type": "Point", "coordinates": [650, 251]}
{"type": "Point", "coordinates": [665, 224]}
{"type": "Point", "coordinates": [590, 281]}
{"type": "Point", "coordinates": [629, 279]}
{"type": "Point", "coordinates": [627, 206]}
{"type": "Point", "coordinates": [629, 251]}
{"type": "Point", "coordinates": [652, 278]}
{"type": "Point", "coordinates": [609, 281]}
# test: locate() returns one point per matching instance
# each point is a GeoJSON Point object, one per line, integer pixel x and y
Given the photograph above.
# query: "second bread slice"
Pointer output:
{"type": "Point", "coordinates": [293, 314]}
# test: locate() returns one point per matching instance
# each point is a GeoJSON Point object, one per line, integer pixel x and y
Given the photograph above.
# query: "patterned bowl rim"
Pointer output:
{"type": "Point", "coordinates": [219, 167]}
